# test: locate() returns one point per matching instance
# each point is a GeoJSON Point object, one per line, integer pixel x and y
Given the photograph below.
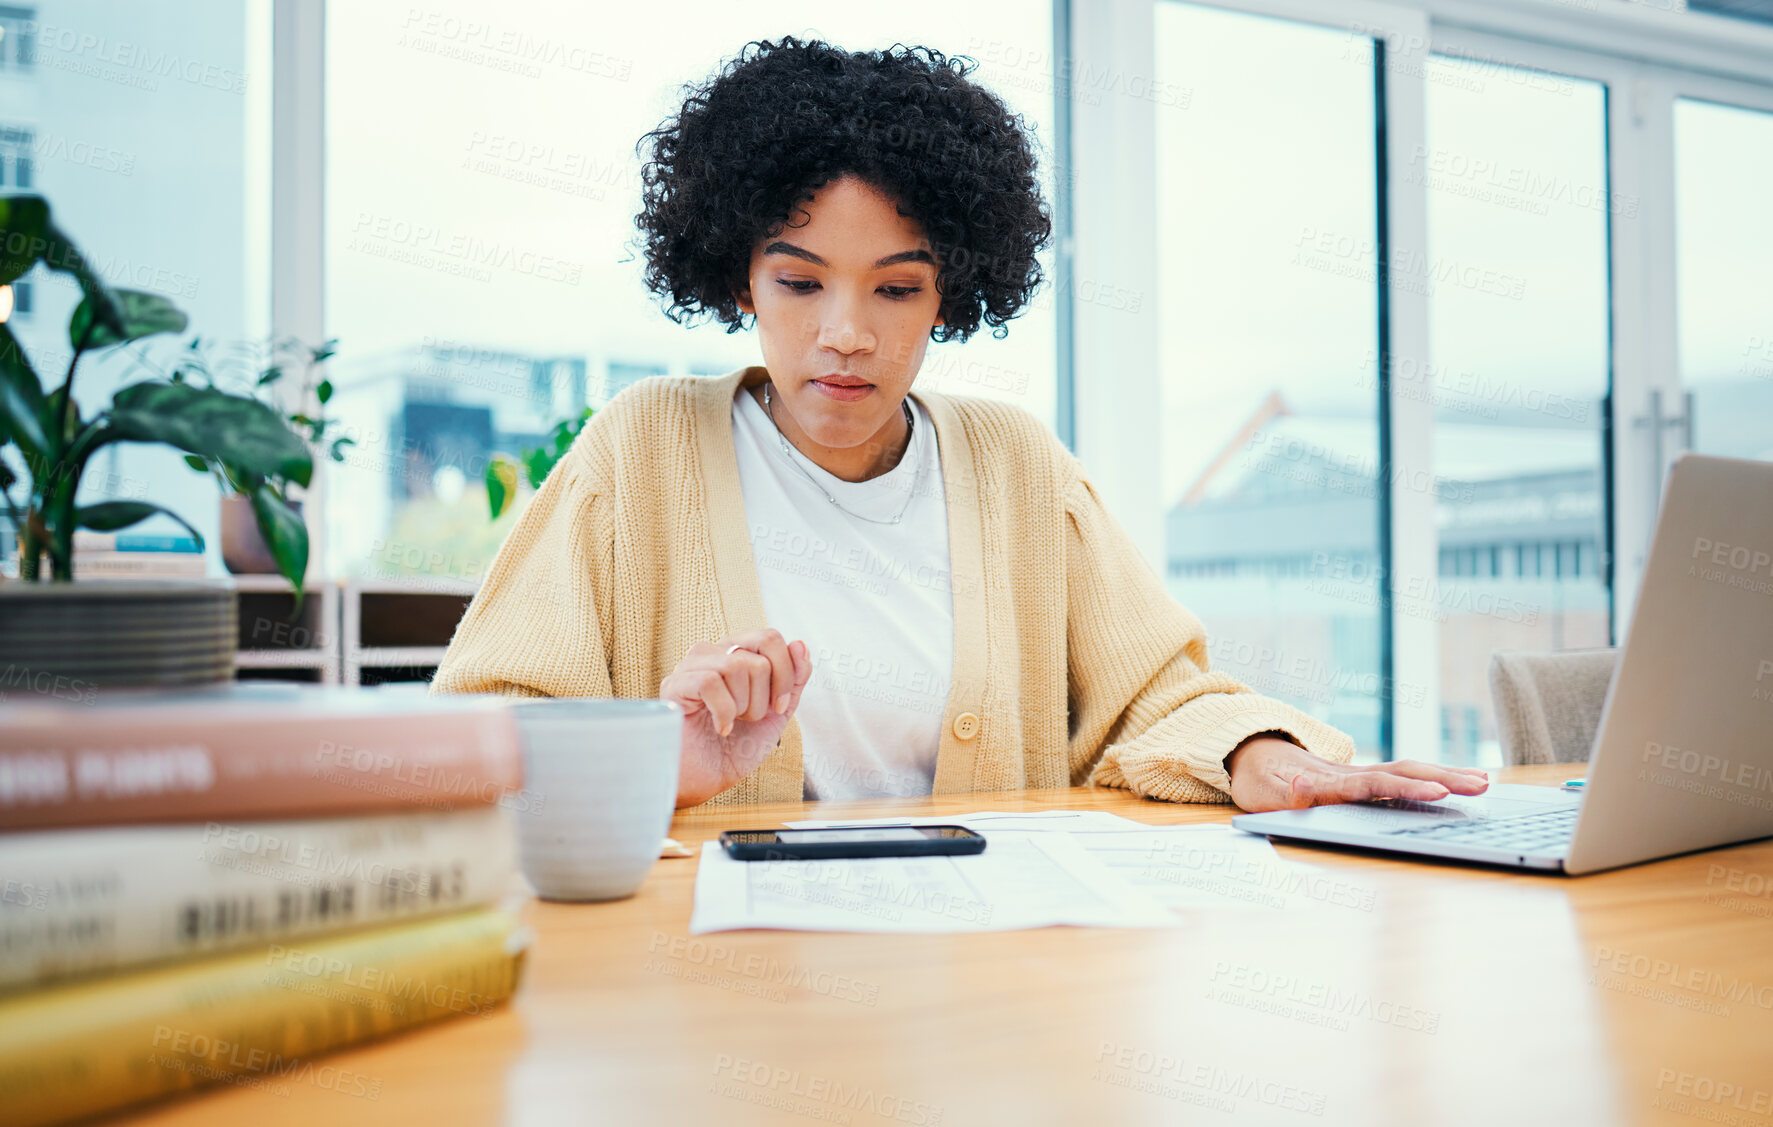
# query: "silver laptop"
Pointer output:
{"type": "Point", "coordinates": [1683, 759]}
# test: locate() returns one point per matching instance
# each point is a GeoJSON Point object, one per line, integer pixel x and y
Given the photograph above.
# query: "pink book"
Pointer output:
{"type": "Point", "coordinates": [251, 750]}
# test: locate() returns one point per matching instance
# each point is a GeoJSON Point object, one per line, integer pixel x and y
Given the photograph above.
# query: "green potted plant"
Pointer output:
{"type": "Point", "coordinates": [121, 633]}
{"type": "Point", "coordinates": [244, 548]}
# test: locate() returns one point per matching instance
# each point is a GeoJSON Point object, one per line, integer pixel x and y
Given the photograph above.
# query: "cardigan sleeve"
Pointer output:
{"type": "Point", "coordinates": [1142, 696]}
{"type": "Point", "coordinates": [539, 626]}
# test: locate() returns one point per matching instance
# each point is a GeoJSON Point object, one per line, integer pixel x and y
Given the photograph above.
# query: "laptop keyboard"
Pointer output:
{"type": "Point", "coordinates": [1545, 832]}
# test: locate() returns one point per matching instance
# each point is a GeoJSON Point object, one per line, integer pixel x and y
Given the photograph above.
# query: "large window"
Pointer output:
{"type": "Point", "coordinates": [1268, 279]}
{"type": "Point", "coordinates": [481, 192]}
{"type": "Point", "coordinates": [481, 181]}
{"type": "Point", "coordinates": [18, 36]}
{"type": "Point", "coordinates": [1515, 170]}
{"type": "Point", "coordinates": [146, 126]}
{"type": "Point", "coordinates": [1724, 274]}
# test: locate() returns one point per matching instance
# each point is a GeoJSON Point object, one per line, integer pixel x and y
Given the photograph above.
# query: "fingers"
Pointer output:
{"type": "Point", "coordinates": [779, 685]}
{"type": "Point", "coordinates": [738, 672]}
{"type": "Point", "coordinates": [1311, 788]}
{"type": "Point", "coordinates": [762, 674]}
{"type": "Point", "coordinates": [803, 673]}
{"type": "Point", "coordinates": [680, 687]}
{"type": "Point", "coordinates": [1458, 780]}
{"type": "Point", "coordinates": [771, 680]}
{"type": "Point", "coordinates": [699, 689]}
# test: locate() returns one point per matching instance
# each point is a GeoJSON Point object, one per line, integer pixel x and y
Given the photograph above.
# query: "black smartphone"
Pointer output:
{"type": "Point", "coordinates": [850, 841]}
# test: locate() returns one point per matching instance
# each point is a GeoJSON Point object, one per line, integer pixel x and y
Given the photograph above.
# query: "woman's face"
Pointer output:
{"type": "Point", "coordinates": [844, 302]}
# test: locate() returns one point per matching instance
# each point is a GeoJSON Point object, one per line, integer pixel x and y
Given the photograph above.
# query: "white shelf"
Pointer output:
{"type": "Point", "coordinates": [423, 619]}
{"type": "Point", "coordinates": [317, 629]}
{"type": "Point", "coordinates": [330, 625]}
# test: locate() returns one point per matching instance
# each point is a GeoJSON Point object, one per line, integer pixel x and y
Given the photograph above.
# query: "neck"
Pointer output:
{"type": "Point", "coordinates": [848, 463]}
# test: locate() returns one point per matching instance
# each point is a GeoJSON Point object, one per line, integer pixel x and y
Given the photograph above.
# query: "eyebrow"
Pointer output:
{"type": "Point", "coordinates": [792, 251]}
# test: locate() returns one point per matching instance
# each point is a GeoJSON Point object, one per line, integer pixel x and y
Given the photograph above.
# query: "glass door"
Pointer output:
{"type": "Point", "coordinates": [1268, 252]}
{"type": "Point", "coordinates": [1724, 274]}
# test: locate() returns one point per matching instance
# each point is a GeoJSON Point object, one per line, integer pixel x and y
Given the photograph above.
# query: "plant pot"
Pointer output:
{"type": "Point", "coordinates": [63, 640]}
{"type": "Point", "coordinates": [244, 551]}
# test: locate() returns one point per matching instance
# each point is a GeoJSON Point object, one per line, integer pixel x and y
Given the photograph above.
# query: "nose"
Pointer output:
{"type": "Point", "coordinates": [843, 329]}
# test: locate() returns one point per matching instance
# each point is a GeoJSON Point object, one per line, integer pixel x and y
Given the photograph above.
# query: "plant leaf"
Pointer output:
{"type": "Point", "coordinates": [144, 314]}
{"type": "Point", "coordinates": [28, 236]}
{"type": "Point", "coordinates": [536, 464]}
{"type": "Point", "coordinates": [324, 391]}
{"type": "Point", "coordinates": [109, 516]}
{"type": "Point", "coordinates": [196, 463]}
{"type": "Point", "coordinates": [501, 484]}
{"type": "Point", "coordinates": [23, 239]}
{"type": "Point", "coordinates": [270, 375]}
{"type": "Point", "coordinates": [239, 431]}
{"type": "Point", "coordinates": [284, 534]}
{"type": "Point", "coordinates": [23, 410]}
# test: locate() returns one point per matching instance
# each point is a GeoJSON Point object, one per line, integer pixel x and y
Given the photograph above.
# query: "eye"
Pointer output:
{"type": "Point", "coordinates": [897, 293]}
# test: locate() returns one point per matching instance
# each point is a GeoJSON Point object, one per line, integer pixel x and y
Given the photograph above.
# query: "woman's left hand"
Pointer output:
{"type": "Point", "coordinates": [1268, 773]}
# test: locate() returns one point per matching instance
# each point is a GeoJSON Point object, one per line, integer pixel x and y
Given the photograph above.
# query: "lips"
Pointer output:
{"type": "Point", "coordinates": [844, 388]}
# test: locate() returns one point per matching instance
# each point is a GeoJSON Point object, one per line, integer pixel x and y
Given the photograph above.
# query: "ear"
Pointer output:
{"type": "Point", "coordinates": [743, 297]}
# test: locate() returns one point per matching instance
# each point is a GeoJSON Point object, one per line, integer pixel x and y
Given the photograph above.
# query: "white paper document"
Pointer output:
{"type": "Point", "coordinates": [1184, 868]}
{"type": "Point", "coordinates": [986, 821]}
{"type": "Point", "coordinates": [1191, 867]}
{"type": "Point", "coordinates": [1021, 880]}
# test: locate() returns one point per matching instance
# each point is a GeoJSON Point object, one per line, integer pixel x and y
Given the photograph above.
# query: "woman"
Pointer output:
{"type": "Point", "coordinates": [853, 588]}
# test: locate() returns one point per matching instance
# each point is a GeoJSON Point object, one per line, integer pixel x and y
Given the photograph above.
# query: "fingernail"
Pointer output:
{"type": "Point", "coordinates": [782, 703]}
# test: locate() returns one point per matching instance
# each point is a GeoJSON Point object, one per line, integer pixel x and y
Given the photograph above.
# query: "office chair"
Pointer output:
{"type": "Point", "coordinates": [1548, 705]}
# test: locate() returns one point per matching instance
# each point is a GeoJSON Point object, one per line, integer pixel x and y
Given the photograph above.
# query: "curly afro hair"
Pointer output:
{"type": "Point", "coordinates": [779, 122]}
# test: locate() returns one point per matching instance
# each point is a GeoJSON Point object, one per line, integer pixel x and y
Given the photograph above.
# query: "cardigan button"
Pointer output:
{"type": "Point", "coordinates": [966, 726]}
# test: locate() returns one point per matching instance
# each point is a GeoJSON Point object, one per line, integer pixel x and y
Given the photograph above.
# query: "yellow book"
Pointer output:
{"type": "Point", "coordinates": [258, 1017]}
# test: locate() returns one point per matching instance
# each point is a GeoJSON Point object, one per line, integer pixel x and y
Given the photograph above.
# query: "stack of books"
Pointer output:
{"type": "Point", "coordinates": [133, 555]}
{"type": "Point", "coordinates": [216, 886]}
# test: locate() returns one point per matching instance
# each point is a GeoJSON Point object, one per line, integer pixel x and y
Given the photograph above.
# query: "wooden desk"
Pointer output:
{"type": "Point", "coordinates": [1453, 994]}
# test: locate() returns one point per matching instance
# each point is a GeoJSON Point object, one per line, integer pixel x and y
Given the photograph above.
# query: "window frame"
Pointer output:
{"type": "Point", "coordinates": [1646, 59]}
{"type": "Point", "coordinates": [1121, 440]}
{"type": "Point", "coordinates": [298, 213]}
{"type": "Point", "coordinates": [1647, 386]}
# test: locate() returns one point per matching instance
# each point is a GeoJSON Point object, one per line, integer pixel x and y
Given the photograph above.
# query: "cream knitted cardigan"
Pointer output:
{"type": "Point", "coordinates": [1072, 664]}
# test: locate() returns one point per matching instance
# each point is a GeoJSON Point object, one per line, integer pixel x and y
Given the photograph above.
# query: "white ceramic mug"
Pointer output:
{"type": "Point", "coordinates": [600, 777]}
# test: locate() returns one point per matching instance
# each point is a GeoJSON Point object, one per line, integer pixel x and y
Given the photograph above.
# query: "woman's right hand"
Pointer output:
{"type": "Point", "coordinates": [736, 701]}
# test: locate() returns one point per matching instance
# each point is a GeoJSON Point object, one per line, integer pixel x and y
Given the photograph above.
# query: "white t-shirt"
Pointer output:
{"type": "Point", "coordinates": [873, 603]}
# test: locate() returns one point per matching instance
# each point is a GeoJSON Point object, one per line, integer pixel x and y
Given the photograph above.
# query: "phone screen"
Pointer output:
{"type": "Point", "coordinates": [885, 833]}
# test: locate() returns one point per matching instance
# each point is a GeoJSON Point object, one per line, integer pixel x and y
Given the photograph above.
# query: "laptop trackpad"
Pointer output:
{"type": "Point", "coordinates": [1502, 800]}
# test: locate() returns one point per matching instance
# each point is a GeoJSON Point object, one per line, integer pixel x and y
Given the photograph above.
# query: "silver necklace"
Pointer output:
{"type": "Point", "coordinates": [917, 479]}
